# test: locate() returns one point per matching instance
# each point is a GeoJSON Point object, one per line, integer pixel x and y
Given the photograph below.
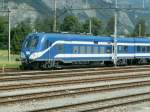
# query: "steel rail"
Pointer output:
{"type": "Point", "coordinates": [103, 101]}
{"type": "Point", "coordinates": [75, 91]}
{"type": "Point", "coordinates": [69, 70]}
{"type": "Point", "coordinates": [70, 82]}
{"type": "Point", "coordinates": [71, 74]}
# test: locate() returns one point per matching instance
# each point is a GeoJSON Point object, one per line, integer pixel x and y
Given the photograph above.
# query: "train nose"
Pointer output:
{"type": "Point", "coordinates": [28, 53]}
{"type": "Point", "coordinates": [25, 55]}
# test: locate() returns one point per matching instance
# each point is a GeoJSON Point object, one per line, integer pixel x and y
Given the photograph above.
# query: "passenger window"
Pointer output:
{"type": "Point", "coordinates": [82, 49]}
{"type": "Point", "coordinates": [95, 50]}
{"type": "Point", "coordinates": [138, 49]}
{"type": "Point", "coordinates": [75, 49]}
{"type": "Point", "coordinates": [89, 49]}
{"type": "Point", "coordinates": [102, 50]}
{"type": "Point", "coordinates": [123, 49]}
{"type": "Point", "coordinates": [143, 49]}
{"type": "Point", "coordinates": [148, 48]}
{"type": "Point", "coordinates": [119, 48]}
{"type": "Point", "coordinates": [108, 50]}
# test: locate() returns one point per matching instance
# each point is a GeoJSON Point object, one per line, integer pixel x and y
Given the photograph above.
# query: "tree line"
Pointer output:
{"type": "Point", "coordinates": [69, 24]}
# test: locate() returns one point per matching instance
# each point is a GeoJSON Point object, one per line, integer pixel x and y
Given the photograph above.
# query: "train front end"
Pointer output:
{"type": "Point", "coordinates": [29, 50]}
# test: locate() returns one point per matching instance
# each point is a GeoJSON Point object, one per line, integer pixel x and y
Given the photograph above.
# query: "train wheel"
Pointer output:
{"type": "Point", "coordinates": [122, 62]}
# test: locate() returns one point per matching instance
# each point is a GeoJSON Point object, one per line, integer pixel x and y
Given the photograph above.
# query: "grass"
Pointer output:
{"type": "Point", "coordinates": [4, 60]}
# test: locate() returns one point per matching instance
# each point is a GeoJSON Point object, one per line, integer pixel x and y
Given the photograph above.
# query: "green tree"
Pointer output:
{"type": "Point", "coordinates": [109, 30]}
{"type": "Point", "coordinates": [96, 26]}
{"type": "Point", "coordinates": [18, 34]}
{"type": "Point", "coordinates": [45, 25]}
{"type": "Point", "coordinates": [140, 28]}
{"type": "Point", "coordinates": [71, 24]}
{"type": "Point", "coordinates": [3, 32]}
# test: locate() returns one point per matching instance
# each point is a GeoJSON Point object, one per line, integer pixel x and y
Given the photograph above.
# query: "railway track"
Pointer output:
{"type": "Point", "coordinates": [65, 74]}
{"type": "Point", "coordinates": [70, 70]}
{"type": "Point", "coordinates": [16, 70]}
{"type": "Point", "coordinates": [26, 88]}
{"type": "Point", "coordinates": [77, 80]}
{"type": "Point", "coordinates": [69, 92]}
{"type": "Point", "coordinates": [92, 105]}
{"type": "Point", "coordinates": [95, 106]}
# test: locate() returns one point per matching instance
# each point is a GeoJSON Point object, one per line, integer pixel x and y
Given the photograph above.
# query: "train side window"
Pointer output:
{"type": "Point", "coordinates": [138, 49]}
{"type": "Point", "coordinates": [95, 50]}
{"type": "Point", "coordinates": [75, 49]}
{"type": "Point", "coordinates": [108, 50]}
{"type": "Point", "coordinates": [89, 49]}
{"type": "Point", "coordinates": [82, 49]}
{"type": "Point", "coordinates": [125, 49]}
{"type": "Point", "coordinates": [60, 48]}
{"type": "Point", "coordinates": [143, 49]}
{"type": "Point", "coordinates": [102, 50]}
{"type": "Point", "coordinates": [47, 44]}
{"type": "Point", "coordinates": [122, 49]}
{"type": "Point", "coordinates": [148, 48]}
{"type": "Point", "coordinates": [119, 48]}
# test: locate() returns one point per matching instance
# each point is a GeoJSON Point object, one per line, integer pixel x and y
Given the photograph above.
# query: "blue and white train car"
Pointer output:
{"type": "Point", "coordinates": [44, 50]}
{"type": "Point", "coordinates": [133, 50]}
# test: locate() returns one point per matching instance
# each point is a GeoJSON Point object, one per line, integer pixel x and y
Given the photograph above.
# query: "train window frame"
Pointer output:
{"type": "Point", "coordinates": [75, 49]}
{"type": "Point", "coordinates": [143, 49]}
{"type": "Point", "coordinates": [82, 49]}
{"type": "Point", "coordinates": [89, 50]}
{"type": "Point", "coordinates": [102, 50]}
{"type": "Point", "coordinates": [108, 50]}
{"type": "Point", "coordinates": [32, 42]}
{"type": "Point", "coordinates": [123, 49]}
{"type": "Point", "coordinates": [47, 44]}
{"type": "Point", "coordinates": [95, 50]}
{"type": "Point", "coordinates": [148, 48]}
{"type": "Point", "coordinates": [119, 48]}
{"type": "Point", "coordinates": [138, 49]}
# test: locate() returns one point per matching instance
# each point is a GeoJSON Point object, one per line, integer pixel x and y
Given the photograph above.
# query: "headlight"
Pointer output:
{"type": "Point", "coordinates": [27, 52]}
{"type": "Point", "coordinates": [38, 54]}
{"type": "Point", "coordinates": [34, 56]}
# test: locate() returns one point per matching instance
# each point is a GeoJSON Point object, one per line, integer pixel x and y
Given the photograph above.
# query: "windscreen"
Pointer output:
{"type": "Point", "coordinates": [32, 42]}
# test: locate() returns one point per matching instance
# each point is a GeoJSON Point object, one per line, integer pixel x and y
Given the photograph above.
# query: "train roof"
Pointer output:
{"type": "Point", "coordinates": [79, 37]}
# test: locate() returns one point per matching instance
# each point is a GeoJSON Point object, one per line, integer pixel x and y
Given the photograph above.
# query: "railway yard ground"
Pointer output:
{"type": "Point", "coordinates": [103, 89]}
